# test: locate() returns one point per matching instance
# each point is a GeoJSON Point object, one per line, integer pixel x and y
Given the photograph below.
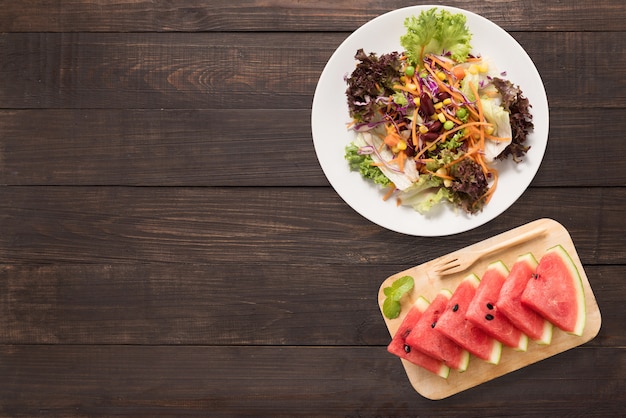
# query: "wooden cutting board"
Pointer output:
{"type": "Point", "coordinates": [428, 284]}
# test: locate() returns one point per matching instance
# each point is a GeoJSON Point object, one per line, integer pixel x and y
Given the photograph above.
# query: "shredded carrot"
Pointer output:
{"type": "Point", "coordinates": [401, 159]}
{"type": "Point", "coordinates": [453, 119]}
{"type": "Point", "coordinates": [446, 134]}
{"type": "Point", "coordinates": [443, 176]}
{"type": "Point", "coordinates": [481, 161]}
{"type": "Point", "coordinates": [405, 88]}
{"type": "Point", "coordinates": [497, 138]}
{"type": "Point", "coordinates": [481, 117]}
{"type": "Point", "coordinates": [462, 157]}
{"type": "Point", "coordinates": [442, 64]}
{"type": "Point", "coordinates": [417, 84]}
{"type": "Point", "coordinates": [392, 188]}
{"type": "Point", "coordinates": [489, 193]}
{"type": "Point", "coordinates": [442, 85]}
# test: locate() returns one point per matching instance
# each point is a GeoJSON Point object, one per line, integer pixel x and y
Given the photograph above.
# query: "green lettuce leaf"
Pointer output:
{"type": "Point", "coordinates": [363, 164]}
{"type": "Point", "coordinates": [435, 32]}
{"type": "Point", "coordinates": [431, 198]}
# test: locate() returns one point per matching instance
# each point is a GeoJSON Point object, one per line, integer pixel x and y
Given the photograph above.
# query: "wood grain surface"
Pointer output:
{"type": "Point", "coordinates": [169, 245]}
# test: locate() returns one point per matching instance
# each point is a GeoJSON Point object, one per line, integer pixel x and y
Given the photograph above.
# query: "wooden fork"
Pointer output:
{"type": "Point", "coordinates": [462, 260]}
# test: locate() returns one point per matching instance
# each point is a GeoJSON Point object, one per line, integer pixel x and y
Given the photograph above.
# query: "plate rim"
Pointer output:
{"type": "Point", "coordinates": [421, 225]}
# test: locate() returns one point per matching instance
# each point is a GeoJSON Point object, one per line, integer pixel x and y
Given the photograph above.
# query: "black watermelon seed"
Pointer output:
{"type": "Point", "coordinates": [535, 276]}
{"type": "Point", "coordinates": [433, 325]}
{"type": "Point", "coordinates": [407, 348]}
{"type": "Point", "coordinates": [455, 307]}
{"type": "Point", "coordinates": [488, 317]}
{"type": "Point", "coordinates": [489, 306]}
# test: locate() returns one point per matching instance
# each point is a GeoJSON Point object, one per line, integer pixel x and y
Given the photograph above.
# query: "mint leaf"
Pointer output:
{"type": "Point", "coordinates": [391, 308]}
{"type": "Point", "coordinates": [401, 286]}
{"type": "Point", "coordinates": [391, 305]}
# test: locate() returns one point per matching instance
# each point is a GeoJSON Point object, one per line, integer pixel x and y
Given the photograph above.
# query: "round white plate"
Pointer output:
{"type": "Point", "coordinates": [330, 116]}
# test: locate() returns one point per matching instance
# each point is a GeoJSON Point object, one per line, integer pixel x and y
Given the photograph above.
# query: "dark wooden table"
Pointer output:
{"type": "Point", "coordinates": [170, 246]}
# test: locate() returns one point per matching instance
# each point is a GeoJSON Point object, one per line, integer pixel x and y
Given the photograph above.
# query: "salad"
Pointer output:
{"type": "Point", "coordinates": [432, 120]}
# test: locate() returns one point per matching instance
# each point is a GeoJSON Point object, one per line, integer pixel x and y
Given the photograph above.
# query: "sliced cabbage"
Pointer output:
{"type": "Point", "coordinates": [423, 195]}
{"type": "Point", "coordinates": [495, 114]}
{"type": "Point", "coordinates": [402, 179]}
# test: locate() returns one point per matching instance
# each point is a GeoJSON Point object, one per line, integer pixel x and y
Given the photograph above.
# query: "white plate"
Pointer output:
{"type": "Point", "coordinates": [330, 116]}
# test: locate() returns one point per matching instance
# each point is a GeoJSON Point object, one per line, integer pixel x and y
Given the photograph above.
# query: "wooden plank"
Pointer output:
{"type": "Point", "coordinates": [284, 15]}
{"type": "Point", "coordinates": [258, 225]}
{"type": "Point", "coordinates": [197, 147]}
{"type": "Point", "coordinates": [247, 71]}
{"type": "Point", "coordinates": [273, 303]}
{"type": "Point", "coordinates": [159, 147]}
{"type": "Point", "coordinates": [286, 382]}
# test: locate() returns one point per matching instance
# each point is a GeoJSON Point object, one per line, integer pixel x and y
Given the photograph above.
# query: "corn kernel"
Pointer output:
{"type": "Point", "coordinates": [441, 117]}
{"type": "Point", "coordinates": [473, 69]}
{"type": "Point", "coordinates": [411, 86]}
{"type": "Point", "coordinates": [483, 67]}
{"type": "Point", "coordinates": [416, 101]}
{"type": "Point", "coordinates": [423, 129]}
{"type": "Point", "coordinates": [447, 101]}
{"type": "Point", "coordinates": [438, 105]}
{"type": "Point", "coordinates": [489, 129]}
{"type": "Point", "coordinates": [441, 75]}
{"type": "Point", "coordinates": [401, 146]}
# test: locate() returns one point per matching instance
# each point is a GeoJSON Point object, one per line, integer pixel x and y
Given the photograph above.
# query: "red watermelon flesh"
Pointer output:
{"type": "Point", "coordinates": [483, 310]}
{"type": "Point", "coordinates": [510, 301]}
{"type": "Point", "coordinates": [454, 325]}
{"type": "Point", "coordinates": [426, 339]}
{"type": "Point", "coordinates": [400, 348]}
{"type": "Point", "coordinates": [556, 291]}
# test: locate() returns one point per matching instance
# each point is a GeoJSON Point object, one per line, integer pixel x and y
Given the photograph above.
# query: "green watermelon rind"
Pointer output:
{"type": "Point", "coordinates": [422, 303]}
{"type": "Point", "coordinates": [546, 335]}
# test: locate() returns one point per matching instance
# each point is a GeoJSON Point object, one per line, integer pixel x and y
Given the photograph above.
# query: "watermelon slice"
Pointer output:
{"type": "Point", "coordinates": [454, 325]}
{"type": "Point", "coordinates": [556, 291]}
{"type": "Point", "coordinates": [483, 310]}
{"type": "Point", "coordinates": [510, 303]}
{"type": "Point", "coordinates": [400, 348]}
{"type": "Point", "coordinates": [433, 343]}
